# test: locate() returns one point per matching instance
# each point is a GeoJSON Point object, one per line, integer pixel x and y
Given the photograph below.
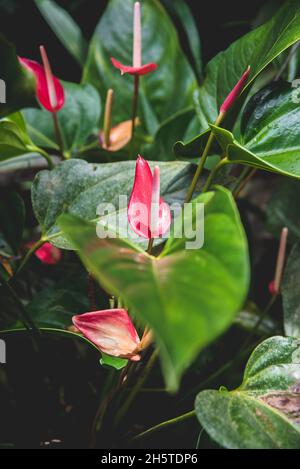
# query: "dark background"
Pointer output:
{"type": "Point", "coordinates": [220, 23]}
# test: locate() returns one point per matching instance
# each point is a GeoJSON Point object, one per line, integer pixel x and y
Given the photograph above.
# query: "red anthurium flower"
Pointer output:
{"type": "Point", "coordinates": [49, 90]}
{"type": "Point", "coordinates": [148, 214]}
{"type": "Point", "coordinates": [137, 68]}
{"type": "Point", "coordinates": [235, 92]}
{"type": "Point", "coordinates": [111, 331]}
{"type": "Point", "coordinates": [49, 254]}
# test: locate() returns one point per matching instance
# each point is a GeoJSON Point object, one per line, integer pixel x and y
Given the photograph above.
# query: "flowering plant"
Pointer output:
{"type": "Point", "coordinates": [158, 251]}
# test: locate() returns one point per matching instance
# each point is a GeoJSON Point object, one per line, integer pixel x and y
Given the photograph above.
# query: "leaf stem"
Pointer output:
{"type": "Point", "coordinates": [202, 161]}
{"type": "Point", "coordinates": [58, 135]}
{"type": "Point", "coordinates": [29, 254]}
{"type": "Point", "coordinates": [213, 173]}
{"type": "Point", "coordinates": [45, 155]}
{"type": "Point", "coordinates": [247, 176]}
{"type": "Point", "coordinates": [167, 423]}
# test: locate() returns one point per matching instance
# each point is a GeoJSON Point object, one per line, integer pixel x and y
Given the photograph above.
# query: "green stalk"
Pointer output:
{"type": "Point", "coordinates": [58, 135]}
{"type": "Point", "coordinates": [45, 155]}
{"type": "Point", "coordinates": [202, 161]}
{"type": "Point", "coordinates": [167, 423]}
{"type": "Point", "coordinates": [213, 173]}
{"type": "Point", "coordinates": [29, 254]}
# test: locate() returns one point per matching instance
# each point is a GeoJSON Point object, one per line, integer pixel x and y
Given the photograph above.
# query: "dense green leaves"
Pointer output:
{"type": "Point", "coordinates": [78, 119]}
{"type": "Point", "coordinates": [257, 49]}
{"type": "Point", "coordinates": [188, 297]}
{"type": "Point", "coordinates": [264, 412]}
{"type": "Point", "coordinates": [269, 134]}
{"type": "Point", "coordinates": [291, 293]}
{"type": "Point", "coordinates": [19, 83]}
{"type": "Point", "coordinates": [65, 28]}
{"type": "Point", "coordinates": [167, 90]}
{"type": "Point", "coordinates": [78, 187]}
{"type": "Point", "coordinates": [12, 219]}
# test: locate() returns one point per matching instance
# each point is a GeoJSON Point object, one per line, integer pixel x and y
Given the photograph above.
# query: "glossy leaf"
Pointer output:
{"type": "Point", "coordinates": [269, 135]}
{"type": "Point", "coordinates": [65, 28]}
{"type": "Point", "coordinates": [14, 140]}
{"type": "Point", "coordinates": [79, 118]}
{"type": "Point", "coordinates": [19, 83]}
{"type": "Point", "coordinates": [258, 48]}
{"type": "Point", "coordinates": [156, 289]}
{"type": "Point", "coordinates": [160, 97]}
{"type": "Point", "coordinates": [78, 187]}
{"type": "Point", "coordinates": [291, 294]}
{"type": "Point", "coordinates": [263, 413]}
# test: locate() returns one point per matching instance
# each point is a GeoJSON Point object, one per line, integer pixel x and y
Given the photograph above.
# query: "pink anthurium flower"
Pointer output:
{"type": "Point", "coordinates": [47, 254]}
{"type": "Point", "coordinates": [148, 214]}
{"type": "Point", "coordinates": [49, 90]}
{"type": "Point", "coordinates": [137, 68]}
{"type": "Point", "coordinates": [112, 332]}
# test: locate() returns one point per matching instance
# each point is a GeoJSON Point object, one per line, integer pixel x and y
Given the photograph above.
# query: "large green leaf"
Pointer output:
{"type": "Point", "coordinates": [264, 412]}
{"type": "Point", "coordinates": [163, 92]}
{"type": "Point", "coordinates": [188, 297]}
{"type": "Point", "coordinates": [14, 140]}
{"type": "Point", "coordinates": [257, 49]}
{"type": "Point", "coordinates": [78, 119]}
{"type": "Point", "coordinates": [65, 28]}
{"type": "Point", "coordinates": [78, 187]}
{"type": "Point", "coordinates": [20, 84]}
{"type": "Point", "coordinates": [269, 134]}
{"type": "Point", "coordinates": [291, 294]}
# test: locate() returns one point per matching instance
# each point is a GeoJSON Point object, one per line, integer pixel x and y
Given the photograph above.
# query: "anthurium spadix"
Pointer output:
{"type": "Point", "coordinates": [137, 68]}
{"type": "Point", "coordinates": [49, 90]}
{"type": "Point", "coordinates": [148, 214]}
{"type": "Point", "coordinates": [112, 332]}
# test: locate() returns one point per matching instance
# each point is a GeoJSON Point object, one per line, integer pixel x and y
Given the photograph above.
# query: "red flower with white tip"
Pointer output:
{"type": "Point", "coordinates": [111, 331]}
{"type": "Point", "coordinates": [137, 68]}
{"type": "Point", "coordinates": [148, 214]}
{"type": "Point", "coordinates": [49, 90]}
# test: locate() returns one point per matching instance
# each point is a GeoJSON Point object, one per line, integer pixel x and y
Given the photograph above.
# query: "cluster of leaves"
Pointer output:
{"type": "Point", "coordinates": [188, 298]}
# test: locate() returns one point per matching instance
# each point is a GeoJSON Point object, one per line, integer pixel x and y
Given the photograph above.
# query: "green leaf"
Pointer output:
{"type": "Point", "coordinates": [264, 412]}
{"type": "Point", "coordinates": [114, 362]}
{"type": "Point", "coordinates": [19, 83]}
{"type": "Point", "coordinates": [78, 187]}
{"type": "Point", "coordinates": [258, 48]}
{"type": "Point", "coordinates": [66, 29]}
{"type": "Point", "coordinates": [78, 119]}
{"type": "Point", "coordinates": [291, 294]}
{"type": "Point", "coordinates": [12, 219]}
{"type": "Point", "coordinates": [269, 135]}
{"type": "Point", "coordinates": [183, 12]}
{"type": "Point", "coordinates": [14, 140]}
{"type": "Point", "coordinates": [188, 297]}
{"type": "Point", "coordinates": [163, 92]}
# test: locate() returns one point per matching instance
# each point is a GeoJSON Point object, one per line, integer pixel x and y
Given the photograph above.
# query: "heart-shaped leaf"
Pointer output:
{"type": "Point", "coordinates": [269, 135]}
{"type": "Point", "coordinates": [78, 119]}
{"type": "Point", "coordinates": [257, 49]}
{"type": "Point", "coordinates": [264, 412]}
{"type": "Point", "coordinates": [291, 293]}
{"type": "Point", "coordinates": [78, 187]}
{"type": "Point", "coordinates": [188, 297]}
{"type": "Point", "coordinates": [160, 97]}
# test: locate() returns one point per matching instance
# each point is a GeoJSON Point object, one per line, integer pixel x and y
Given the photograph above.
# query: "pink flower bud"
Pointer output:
{"type": "Point", "coordinates": [235, 93]}
{"type": "Point", "coordinates": [49, 254]}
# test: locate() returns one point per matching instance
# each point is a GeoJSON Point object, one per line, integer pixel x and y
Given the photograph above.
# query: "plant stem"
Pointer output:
{"type": "Point", "coordinates": [134, 106]}
{"type": "Point", "coordinates": [213, 173]}
{"type": "Point", "coordinates": [29, 254]}
{"type": "Point", "coordinates": [150, 245]}
{"type": "Point", "coordinates": [91, 292]}
{"type": "Point", "coordinates": [202, 161]}
{"type": "Point", "coordinates": [244, 181]}
{"type": "Point", "coordinates": [167, 423]}
{"type": "Point", "coordinates": [136, 388]}
{"type": "Point", "coordinates": [58, 135]}
{"type": "Point", "coordinates": [45, 155]}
